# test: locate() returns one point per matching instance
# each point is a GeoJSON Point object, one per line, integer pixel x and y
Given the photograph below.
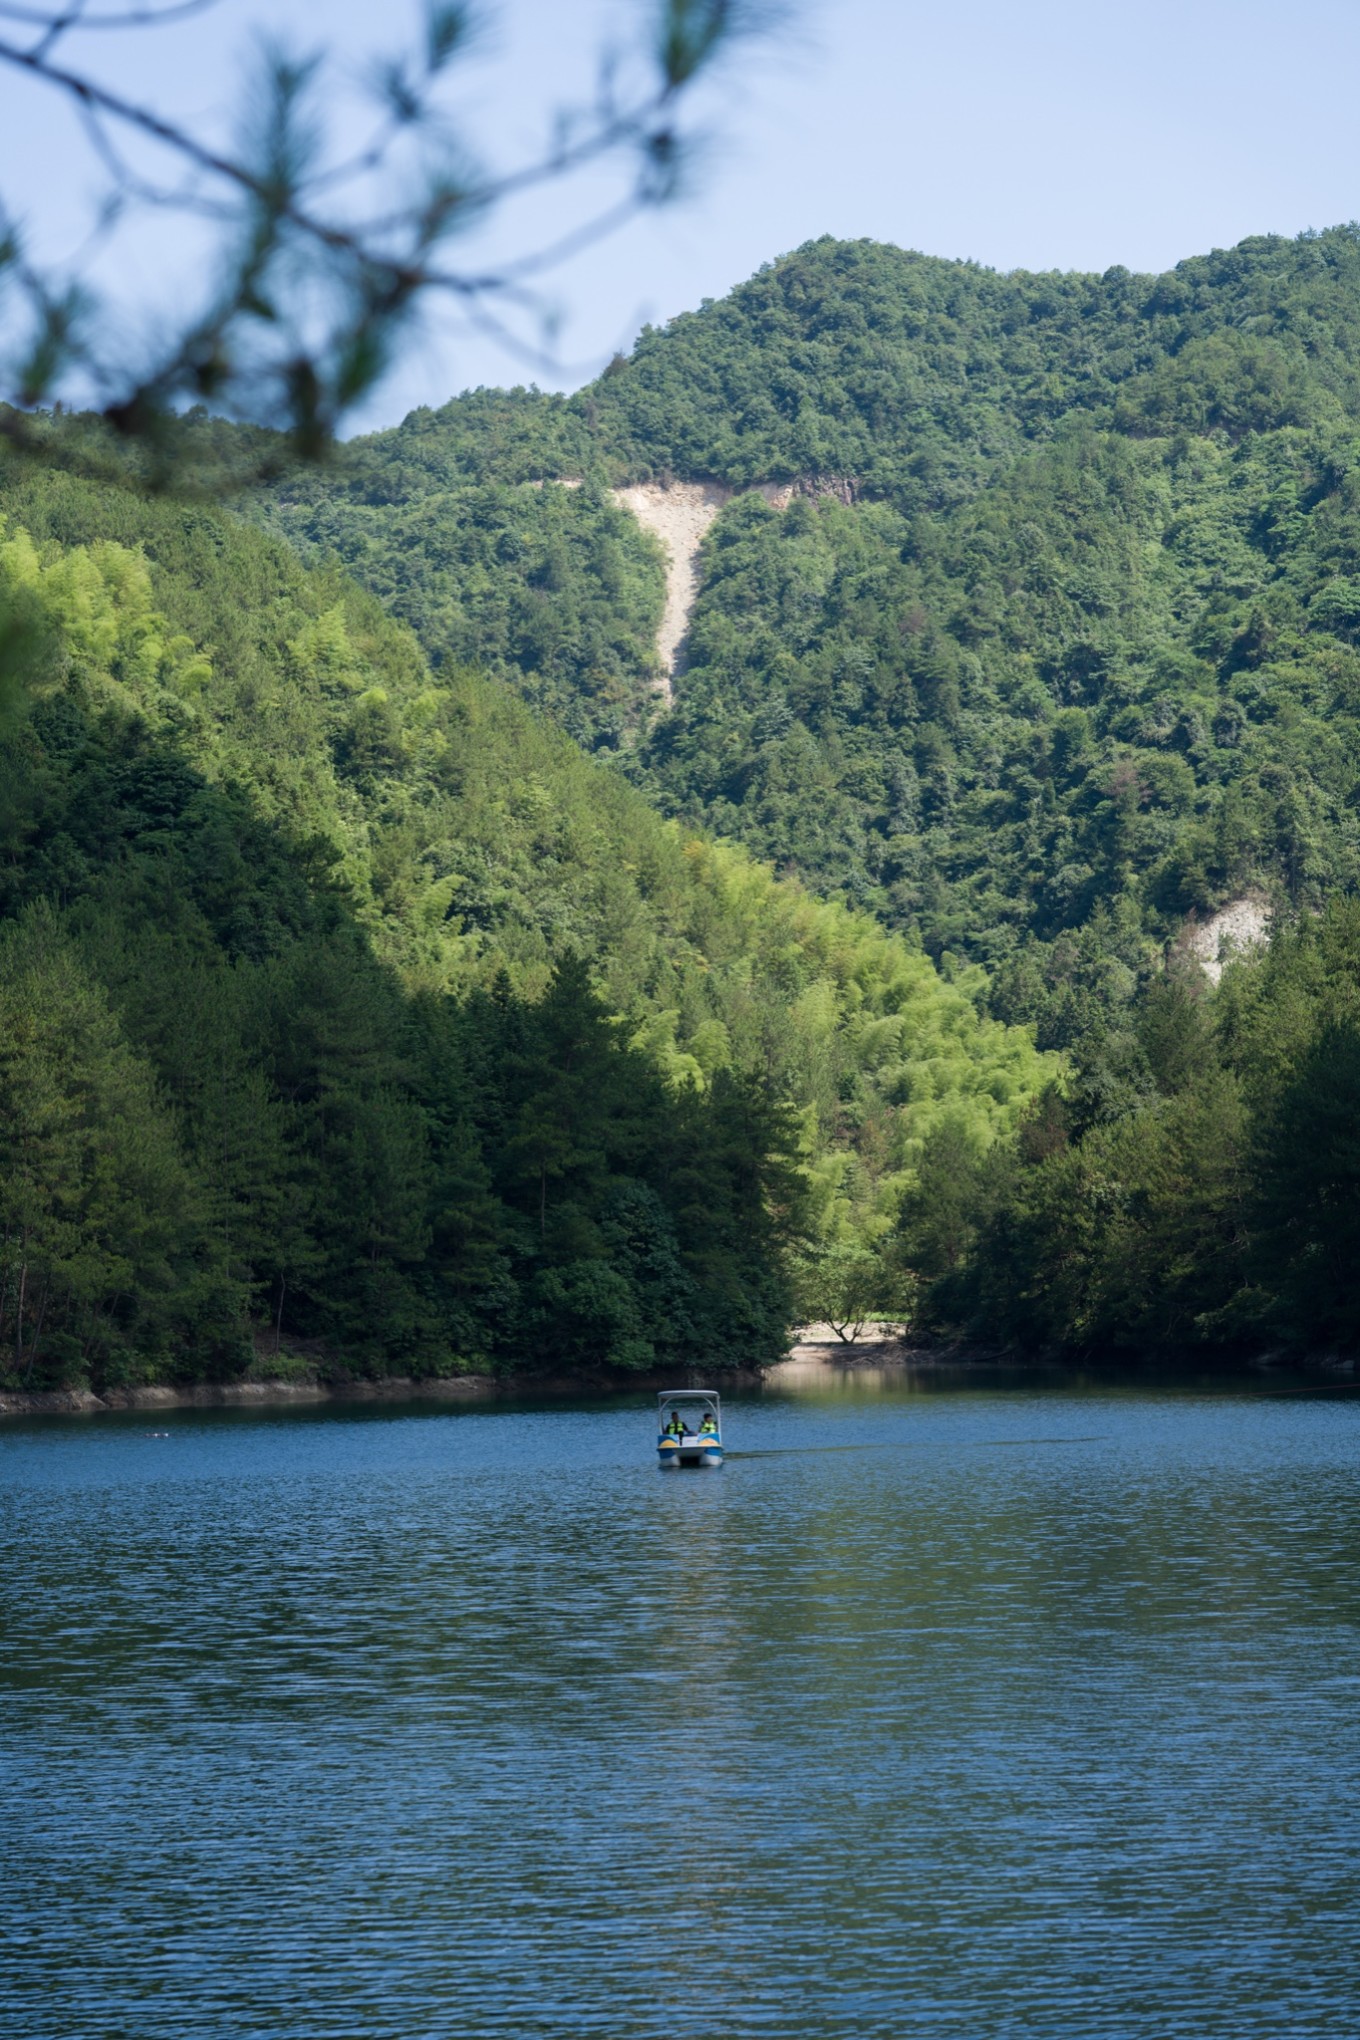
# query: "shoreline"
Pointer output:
{"type": "Point", "coordinates": [871, 1361]}
{"type": "Point", "coordinates": [806, 1356]}
{"type": "Point", "coordinates": [317, 1393]}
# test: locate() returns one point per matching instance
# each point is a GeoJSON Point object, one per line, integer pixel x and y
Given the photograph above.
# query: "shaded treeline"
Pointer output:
{"type": "Point", "coordinates": [220, 1112]}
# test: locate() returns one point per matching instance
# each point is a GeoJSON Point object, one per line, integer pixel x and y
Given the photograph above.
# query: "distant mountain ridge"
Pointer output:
{"type": "Point", "coordinates": [1077, 661]}
{"type": "Point", "coordinates": [920, 376]}
{"type": "Point", "coordinates": [859, 359]}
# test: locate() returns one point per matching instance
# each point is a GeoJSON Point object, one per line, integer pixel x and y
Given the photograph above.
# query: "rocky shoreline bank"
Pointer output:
{"type": "Point", "coordinates": [870, 1359]}
{"type": "Point", "coordinates": [810, 1350]}
{"type": "Point", "coordinates": [396, 1388]}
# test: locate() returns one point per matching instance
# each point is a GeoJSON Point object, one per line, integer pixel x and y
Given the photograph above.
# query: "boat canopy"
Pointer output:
{"type": "Point", "coordinates": [692, 1401]}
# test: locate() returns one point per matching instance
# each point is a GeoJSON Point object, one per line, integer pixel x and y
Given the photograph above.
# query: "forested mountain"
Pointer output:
{"type": "Point", "coordinates": [345, 1001]}
{"type": "Point", "coordinates": [390, 1017]}
{"type": "Point", "coordinates": [1058, 644]}
{"type": "Point", "coordinates": [1055, 648]}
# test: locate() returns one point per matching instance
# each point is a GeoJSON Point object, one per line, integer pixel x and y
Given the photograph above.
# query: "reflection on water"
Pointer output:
{"type": "Point", "coordinates": [826, 1378]}
{"type": "Point", "coordinates": [1032, 1714]}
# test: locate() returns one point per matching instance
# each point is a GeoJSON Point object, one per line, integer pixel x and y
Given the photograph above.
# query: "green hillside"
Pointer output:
{"type": "Point", "coordinates": [1055, 646]}
{"type": "Point", "coordinates": [1079, 660]}
{"type": "Point", "coordinates": [1119, 687]}
{"type": "Point", "coordinates": [348, 1001]}
{"type": "Point", "coordinates": [556, 590]}
{"type": "Point", "coordinates": [924, 378]}
{"type": "Point", "coordinates": [1192, 1193]}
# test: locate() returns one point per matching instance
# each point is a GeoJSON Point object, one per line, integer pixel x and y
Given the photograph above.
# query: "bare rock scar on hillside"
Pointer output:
{"type": "Point", "coordinates": [680, 514]}
{"type": "Point", "coordinates": [1235, 930]}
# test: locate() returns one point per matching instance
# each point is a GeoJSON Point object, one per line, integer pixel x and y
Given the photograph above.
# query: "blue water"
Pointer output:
{"type": "Point", "coordinates": [971, 1714]}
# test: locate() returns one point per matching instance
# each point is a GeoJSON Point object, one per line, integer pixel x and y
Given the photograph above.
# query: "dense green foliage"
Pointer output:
{"type": "Point", "coordinates": [1056, 646]}
{"type": "Point", "coordinates": [1197, 1188]}
{"type": "Point", "coordinates": [347, 1000]}
{"type": "Point", "coordinates": [1081, 656]}
{"type": "Point", "coordinates": [1117, 688]}
{"type": "Point", "coordinates": [218, 1107]}
{"type": "Point", "coordinates": [923, 379]}
{"type": "Point", "coordinates": [556, 588]}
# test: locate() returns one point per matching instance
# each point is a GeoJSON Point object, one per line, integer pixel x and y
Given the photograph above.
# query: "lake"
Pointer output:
{"type": "Point", "coordinates": [977, 1713]}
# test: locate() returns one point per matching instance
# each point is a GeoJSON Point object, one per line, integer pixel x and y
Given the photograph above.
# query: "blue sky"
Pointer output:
{"type": "Point", "coordinates": [1054, 135]}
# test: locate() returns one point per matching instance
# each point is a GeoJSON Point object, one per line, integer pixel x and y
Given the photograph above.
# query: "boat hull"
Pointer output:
{"type": "Point", "coordinates": [693, 1452]}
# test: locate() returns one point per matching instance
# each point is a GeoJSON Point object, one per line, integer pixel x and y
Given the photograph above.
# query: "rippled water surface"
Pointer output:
{"type": "Point", "coordinates": [955, 1714]}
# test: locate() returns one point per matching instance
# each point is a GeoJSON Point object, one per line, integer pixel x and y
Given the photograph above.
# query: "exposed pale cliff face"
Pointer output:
{"type": "Point", "coordinates": [680, 514]}
{"type": "Point", "coordinates": [1235, 930]}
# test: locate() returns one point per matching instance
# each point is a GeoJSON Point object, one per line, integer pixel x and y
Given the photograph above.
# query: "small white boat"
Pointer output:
{"type": "Point", "coordinates": [689, 1428]}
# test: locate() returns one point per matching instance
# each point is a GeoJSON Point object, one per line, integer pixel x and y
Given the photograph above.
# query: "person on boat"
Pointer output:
{"type": "Point", "coordinates": [677, 1427]}
{"type": "Point", "coordinates": [709, 1427]}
